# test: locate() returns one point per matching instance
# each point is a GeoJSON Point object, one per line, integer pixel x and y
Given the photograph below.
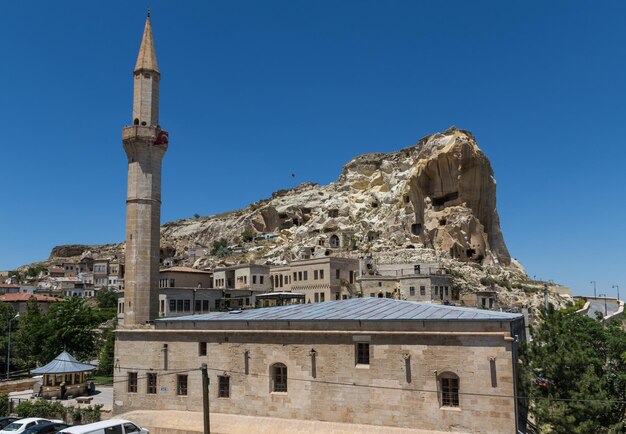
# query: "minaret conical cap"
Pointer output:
{"type": "Point", "coordinates": [147, 55]}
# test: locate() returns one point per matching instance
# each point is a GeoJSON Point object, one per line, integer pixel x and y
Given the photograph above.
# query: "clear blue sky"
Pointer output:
{"type": "Point", "coordinates": [254, 91]}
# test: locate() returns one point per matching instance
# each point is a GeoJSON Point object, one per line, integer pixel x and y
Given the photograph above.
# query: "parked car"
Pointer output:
{"type": "Point", "coordinates": [46, 428]}
{"type": "Point", "coordinates": [117, 426]}
{"type": "Point", "coordinates": [21, 425]}
{"type": "Point", "coordinates": [4, 421]}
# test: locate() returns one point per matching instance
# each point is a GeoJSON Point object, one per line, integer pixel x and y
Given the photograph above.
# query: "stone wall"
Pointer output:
{"type": "Point", "coordinates": [399, 387]}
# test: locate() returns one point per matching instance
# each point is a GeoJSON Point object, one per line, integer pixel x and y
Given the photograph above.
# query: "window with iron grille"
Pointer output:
{"type": "Point", "coordinates": [362, 353]}
{"type": "Point", "coordinates": [223, 389]}
{"type": "Point", "coordinates": [279, 378]}
{"type": "Point", "coordinates": [202, 348]}
{"type": "Point", "coordinates": [152, 383]}
{"type": "Point", "coordinates": [181, 385]}
{"type": "Point", "coordinates": [132, 382]}
{"type": "Point", "coordinates": [449, 391]}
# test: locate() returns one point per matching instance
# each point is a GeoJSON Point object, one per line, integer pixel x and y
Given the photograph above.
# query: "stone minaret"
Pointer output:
{"type": "Point", "coordinates": [145, 144]}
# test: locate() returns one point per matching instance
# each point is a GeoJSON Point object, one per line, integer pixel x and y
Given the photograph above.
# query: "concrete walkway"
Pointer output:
{"type": "Point", "coordinates": [178, 422]}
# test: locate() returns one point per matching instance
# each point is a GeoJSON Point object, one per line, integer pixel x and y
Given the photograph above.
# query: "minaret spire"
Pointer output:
{"type": "Point", "coordinates": [147, 78]}
{"type": "Point", "coordinates": [146, 60]}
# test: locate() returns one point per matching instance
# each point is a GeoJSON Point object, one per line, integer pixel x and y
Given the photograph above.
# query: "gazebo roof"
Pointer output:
{"type": "Point", "coordinates": [64, 363]}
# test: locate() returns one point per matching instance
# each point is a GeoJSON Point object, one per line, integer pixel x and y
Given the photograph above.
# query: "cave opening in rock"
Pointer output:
{"type": "Point", "coordinates": [441, 200]}
{"type": "Point", "coordinates": [407, 199]}
{"type": "Point", "coordinates": [442, 222]}
{"type": "Point", "coordinates": [416, 228]}
{"type": "Point", "coordinates": [333, 212]}
{"type": "Point", "coordinates": [374, 204]}
{"type": "Point", "coordinates": [470, 252]}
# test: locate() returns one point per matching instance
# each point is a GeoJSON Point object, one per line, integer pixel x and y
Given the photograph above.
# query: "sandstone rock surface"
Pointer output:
{"type": "Point", "coordinates": [439, 194]}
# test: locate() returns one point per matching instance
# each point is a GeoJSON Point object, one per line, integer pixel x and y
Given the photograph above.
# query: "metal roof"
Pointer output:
{"type": "Point", "coordinates": [355, 309]}
{"type": "Point", "coordinates": [62, 364]}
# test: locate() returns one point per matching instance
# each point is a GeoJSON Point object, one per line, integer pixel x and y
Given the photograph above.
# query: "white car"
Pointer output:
{"type": "Point", "coordinates": [23, 424]}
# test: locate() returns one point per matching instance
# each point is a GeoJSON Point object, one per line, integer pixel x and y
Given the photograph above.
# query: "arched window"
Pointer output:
{"type": "Point", "coordinates": [334, 241]}
{"type": "Point", "coordinates": [279, 377]}
{"type": "Point", "coordinates": [136, 122]}
{"type": "Point", "coordinates": [449, 385]}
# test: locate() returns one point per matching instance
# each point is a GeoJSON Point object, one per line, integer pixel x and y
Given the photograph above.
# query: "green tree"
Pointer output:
{"type": "Point", "coordinates": [105, 355]}
{"type": "Point", "coordinates": [220, 247]}
{"type": "Point", "coordinates": [106, 298]}
{"type": "Point", "coordinates": [30, 336]}
{"type": "Point", "coordinates": [575, 374]}
{"type": "Point", "coordinates": [69, 326]}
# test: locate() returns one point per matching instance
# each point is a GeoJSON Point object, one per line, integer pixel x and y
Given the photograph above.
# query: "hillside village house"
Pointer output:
{"type": "Point", "coordinates": [20, 301]}
{"type": "Point", "coordinates": [364, 360]}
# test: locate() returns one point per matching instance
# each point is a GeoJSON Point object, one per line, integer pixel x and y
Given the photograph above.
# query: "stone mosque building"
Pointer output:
{"type": "Point", "coordinates": [362, 360]}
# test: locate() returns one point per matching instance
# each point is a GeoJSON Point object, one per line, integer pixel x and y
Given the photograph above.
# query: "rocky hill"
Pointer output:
{"type": "Point", "coordinates": [439, 194]}
{"type": "Point", "coordinates": [434, 201]}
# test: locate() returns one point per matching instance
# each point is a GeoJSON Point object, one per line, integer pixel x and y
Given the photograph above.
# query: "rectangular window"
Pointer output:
{"type": "Point", "coordinates": [181, 385]}
{"type": "Point", "coordinates": [450, 392]}
{"type": "Point", "coordinates": [351, 280]}
{"type": "Point", "coordinates": [132, 382]}
{"type": "Point", "coordinates": [152, 383]}
{"type": "Point", "coordinates": [299, 275]}
{"type": "Point", "coordinates": [261, 280]}
{"type": "Point", "coordinates": [316, 297]}
{"type": "Point", "coordinates": [337, 274]}
{"type": "Point", "coordinates": [172, 282]}
{"type": "Point", "coordinates": [411, 290]}
{"type": "Point", "coordinates": [162, 304]}
{"type": "Point", "coordinates": [321, 274]}
{"type": "Point", "coordinates": [172, 305]}
{"type": "Point", "coordinates": [205, 305]}
{"type": "Point", "coordinates": [362, 353]}
{"type": "Point", "coordinates": [223, 390]}
{"type": "Point", "coordinates": [446, 290]}
{"type": "Point", "coordinates": [186, 305]}
{"type": "Point", "coordinates": [436, 290]}
{"type": "Point", "coordinates": [202, 348]}
{"type": "Point", "coordinates": [253, 278]}
{"type": "Point", "coordinates": [315, 274]}
{"type": "Point", "coordinates": [422, 290]}
{"type": "Point", "coordinates": [322, 295]}
{"type": "Point", "coordinates": [306, 275]}
{"type": "Point", "coordinates": [179, 305]}
{"type": "Point", "coordinates": [198, 306]}
{"type": "Point", "coordinates": [295, 276]}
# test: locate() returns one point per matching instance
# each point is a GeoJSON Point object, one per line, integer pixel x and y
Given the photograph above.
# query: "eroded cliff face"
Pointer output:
{"type": "Point", "coordinates": [438, 194]}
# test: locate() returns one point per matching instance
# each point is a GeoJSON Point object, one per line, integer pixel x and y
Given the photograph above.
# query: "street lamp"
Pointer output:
{"type": "Point", "coordinates": [9, 347]}
{"type": "Point", "coordinates": [616, 287]}
{"type": "Point", "coordinates": [594, 288]}
{"type": "Point", "coordinates": [606, 311]}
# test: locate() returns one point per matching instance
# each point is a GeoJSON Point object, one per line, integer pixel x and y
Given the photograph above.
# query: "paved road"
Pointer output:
{"type": "Point", "coordinates": [597, 305]}
{"type": "Point", "coordinates": [104, 396]}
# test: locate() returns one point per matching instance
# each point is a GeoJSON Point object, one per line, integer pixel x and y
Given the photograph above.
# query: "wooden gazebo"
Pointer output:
{"type": "Point", "coordinates": [64, 376]}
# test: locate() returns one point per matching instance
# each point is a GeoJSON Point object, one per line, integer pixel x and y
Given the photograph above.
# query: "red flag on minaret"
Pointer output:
{"type": "Point", "coordinates": [162, 138]}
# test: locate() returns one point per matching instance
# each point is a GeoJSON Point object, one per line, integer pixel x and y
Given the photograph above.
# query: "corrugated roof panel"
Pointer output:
{"type": "Point", "coordinates": [363, 309]}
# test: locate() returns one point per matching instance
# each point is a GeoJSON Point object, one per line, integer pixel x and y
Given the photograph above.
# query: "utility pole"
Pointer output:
{"type": "Point", "coordinates": [594, 288]}
{"type": "Point", "coordinates": [205, 399]}
{"type": "Point", "coordinates": [617, 287]}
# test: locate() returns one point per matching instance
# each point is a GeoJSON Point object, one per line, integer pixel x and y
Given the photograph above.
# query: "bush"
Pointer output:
{"type": "Point", "coordinates": [4, 404]}
{"type": "Point", "coordinates": [41, 408]}
{"type": "Point", "coordinates": [220, 248]}
{"type": "Point", "coordinates": [492, 281]}
{"type": "Point", "coordinates": [84, 415]}
{"type": "Point", "coordinates": [247, 236]}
